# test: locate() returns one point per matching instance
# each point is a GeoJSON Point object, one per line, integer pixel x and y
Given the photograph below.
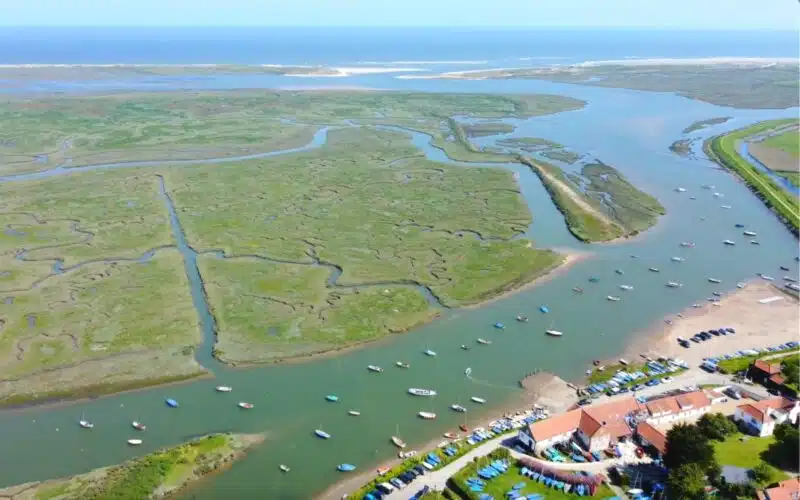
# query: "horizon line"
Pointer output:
{"type": "Point", "coordinates": [377, 26]}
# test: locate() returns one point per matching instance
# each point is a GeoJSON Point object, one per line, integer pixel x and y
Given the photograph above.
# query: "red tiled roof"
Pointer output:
{"type": "Point", "coordinates": [786, 490]}
{"type": "Point", "coordinates": [679, 403]}
{"type": "Point", "coordinates": [696, 399]}
{"type": "Point", "coordinates": [754, 412]}
{"type": "Point", "coordinates": [758, 410]}
{"type": "Point", "coordinates": [777, 379]}
{"type": "Point", "coordinates": [766, 367]}
{"type": "Point", "coordinates": [653, 436]}
{"type": "Point", "coordinates": [608, 418]}
{"type": "Point", "coordinates": [555, 426]}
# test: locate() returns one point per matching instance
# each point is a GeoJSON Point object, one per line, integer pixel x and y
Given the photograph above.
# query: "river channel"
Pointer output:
{"type": "Point", "coordinates": [629, 130]}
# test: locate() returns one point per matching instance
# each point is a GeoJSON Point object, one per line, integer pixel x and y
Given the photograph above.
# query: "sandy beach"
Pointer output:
{"type": "Point", "coordinates": [756, 324]}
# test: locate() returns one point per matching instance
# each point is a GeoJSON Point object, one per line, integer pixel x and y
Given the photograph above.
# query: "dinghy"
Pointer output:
{"type": "Point", "coordinates": [332, 398]}
{"type": "Point", "coordinates": [354, 413]}
{"type": "Point", "coordinates": [612, 298]}
{"type": "Point", "coordinates": [500, 326]}
{"type": "Point", "coordinates": [729, 242]}
{"type": "Point", "coordinates": [322, 434]}
{"type": "Point", "coordinates": [346, 467]}
{"type": "Point", "coordinates": [245, 406]}
{"type": "Point", "coordinates": [484, 341]}
{"type": "Point", "coordinates": [626, 287]}
{"type": "Point", "coordinates": [450, 435]}
{"type": "Point", "coordinates": [428, 352]}
{"type": "Point", "coordinates": [674, 284]}
{"type": "Point", "coordinates": [458, 408]}
{"type": "Point", "coordinates": [134, 442]}
{"type": "Point", "coordinates": [374, 368]}
{"type": "Point", "coordinates": [284, 468]}
{"type": "Point", "coordinates": [421, 392]}
{"type": "Point", "coordinates": [172, 403]}
{"type": "Point", "coordinates": [522, 319]}
{"type": "Point", "coordinates": [554, 333]}
{"type": "Point", "coordinates": [224, 388]}
{"type": "Point", "coordinates": [398, 442]}
{"type": "Point", "coordinates": [714, 280]}
{"type": "Point", "coordinates": [749, 233]}
{"type": "Point", "coordinates": [544, 309]}
{"type": "Point", "coordinates": [400, 364]}
{"type": "Point", "coordinates": [138, 425]}
{"type": "Point", "coordinates": [426, 415]}
{"type": "Point", "coordinates": [477, 400]}
{"type": "Point", "coordinates": [655, 270]}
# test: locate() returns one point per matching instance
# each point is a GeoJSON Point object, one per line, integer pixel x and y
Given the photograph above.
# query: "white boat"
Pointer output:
{"type": "Point", "coordinates": [740, 285]}
{"type": "Point", "coordinates": [429, 352]}
{"type": "Point", "coordinates": [354, 413]}
{"type": "Point", "coordinates": [400, 364]}
{"type": "Point", "coordinates": [421, 392]}
{"type": "Point", "coordinates": [789, 279]}
{"type": "Point", "coordinates": [134, 442]}
{"type": "Point", "coordinates": [398, 442]}
{"type": "Point", "coordinates": [714, 280]}
{"type": "Point", "coordinates": [678, 259]}
{"type": "Point", "coordinates": [754, 242]}
{"type": "Point", "coordinates": [85, 423]}
{"type": "Point", "coordinates": [477, 400]}
{"type": "Point", "coordinates": [465, 347]}
{"type": "Point", "coordinates": [468, 371]}
{"type": "Point", "coordinates": [322, 434]}
{"type": "Point", "coordinates": [612, 298]}
{"type": "Point", "coordinates": [374, 368]}
{"type": "Point", "coordinates": [626, 287]}
{"type": "Point", "coordinates": [224, 388]}
{"type": "Point", "coordinates": [674, 284]}
{"type": "Point", "coordinates": [484, 341]}
{"type": "Point", "coordinates": [749, 233]}
{"type": "Point", "coordinates": [554, 333]}
{"type": "Point", "coordinates": [407, 454]}
{"type": "Point", "coordinates": [284, 468]}
{"type": "Point", "coordinates": [426, 415]}
{"type": "Point", "coordinates": [655, 270]}
{"type": "Point", "coordinates": [680, 189]}
{"type": "Point", "coordinates": [687, 244]}
{"type": "Point", "coordinates": [245, 406]}
{"type": "Point", "coordinates": [458, 408]}
{"type": "Point", "coordinates": [725, 206]}
{"type": "Point", "coordinates": [719, 195]}
{"type": "Point", "coordinates": [765, 277]}
{"type": "Point", "coordinates": [138, 425]}
{"type": "Point", "coordinates": [708, 186]}
{"type": "Point", "coordinates": [623, 362]}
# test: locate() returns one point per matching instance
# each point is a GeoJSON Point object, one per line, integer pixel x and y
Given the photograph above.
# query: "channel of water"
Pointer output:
{"type": "Point", "coordinates": [629, 130]}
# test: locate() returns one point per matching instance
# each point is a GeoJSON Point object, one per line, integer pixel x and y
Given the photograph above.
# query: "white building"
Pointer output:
{"type": "Point", "coordinates": [761, 417]}
{"type": "Point", "coordinates": [688, 406]}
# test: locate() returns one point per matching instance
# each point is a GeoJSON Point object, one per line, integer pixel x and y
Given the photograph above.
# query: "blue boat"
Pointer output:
{"type": "Point", "coordinates": [346, 467]}
{"type": "Point", "coordinates": [740, 225]}
{"type": "Point", "coordinates": [172, 403]}
{"type": "Point", "coordinates": [544, 309]}
{"type": "Point", "coordinates": [332, 398]}
{"type": "Point", "coordinates": [499, 326]}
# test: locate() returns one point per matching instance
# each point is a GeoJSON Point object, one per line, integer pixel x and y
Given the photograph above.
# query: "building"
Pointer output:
{"type": "Point", "coordinates": [687, 406]}
{"type": "Point", "coordinates": [650, 436]}
{"type": "Point", "coordinates": [786, 490]}
{"type": "Point", "coordinates": [761, 417]}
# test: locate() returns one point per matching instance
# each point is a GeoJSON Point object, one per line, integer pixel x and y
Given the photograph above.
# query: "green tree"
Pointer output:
{"type": "Point", "coordinates": [760, 474]}
{"type": "Point", "coordinates": [787, 445]}
{"type": "Point", "coordinates": [687, 445]}
{"type": "Point", "coordinates": [716, 426]}
{"type": "Point", "coordinates": [791, 369]}
{"type": "Point", "coordinates": [687, 482]}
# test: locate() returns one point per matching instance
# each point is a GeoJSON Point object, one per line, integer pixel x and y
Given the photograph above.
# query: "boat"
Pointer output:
{"type": "Point", "coordinates": [680, 189]}
{"type": "Point", "coordinates": [626, 287]}
{"type": "Point", "coordinates": [450, 435]}
{"type": "Point", "coordinates": [477, 400]}
{"type": "Point", "coordinates": [429, 352]}
{"type": "Point", "coordinates": [499, 326]}
{"type": "Point", "coordinates": [465, 347]}
{"type": "Point", "coordinates": [612, 298]}
{"type": "Point", "coordinates": [245, 406]}
{"type": "Point", "coordinates": [468, 371]}
{"type": "Point", "coordinates": [693, 197]}
{"type": "Point", "coordinates": [172, 403]}
{"type": "Point", "coordinates": [596, 362]}
{"type": "Point", "coordinates": [718, 195]}
{"type": "Point", "coordinates": [725, 206]}
{"type": "Point", "coordinates": [374, 368]}
{"type": "Point", "coordinates": [544, 309]}
{"type": "Point", "coordinates": [714, 280]}
{"type": "Point", "coordinates": [619, 271]}
{"type": "Point", "coordinates": [134, 442]}
{"type": "Point", "coordinates": [458, 408]}
{"type": "Point", "coordinates": [464, 427]}
{"type": "Point", "coordinates": [554, 333]}
{"type": "Point", "coordinates": [284, 468]}
{"type": "Point", "coordinates": [224, 388]}
{"type": "Point", "coordinates": [85, 423]}
{"type": "Point", "coordinates": [674, 284]}
{"type": "Point", "coordinates": [708, 186]}
{"type": "Point", "coordinates": [345, 467]}
{"type": "Point", "coordinates": [398, 442]}
{"type": "Point", "coordinates": [716, 294]}
{"type": "Point", "coordinates": [749, 233]}
{"type": "Point", "coordinates": [623, 362]}
{"type": "Point", "coordinates": [594, 279]}
{"type": "Point", "coordinates": [754, 242]}
{"type": "Point", "coordinates": [655, 270]}
{"type": "Point", "coordinates": [383, 470]}
{"type": "Point", "coordinates": [354, 413]}
{"type": "Point", "coordinates": [789, 279]}
{"type": "Point", "coordinates": [400, 364]}
{"type": "Point", "coordinates": [634, 256]}
{"type": "Point", "coordinates": [407, 454]}
{"type": "Point", "coordinates": [739, 225]}
{"type": "Point", "coordinates": [484, 341]}
{"type": "Point", "coordinates": [765, 277]}
{"type": "Point", "coordinates": [332, 398]}
{"type": "Point", "coordinates": [729, 242]}
{"type": "Point", "coordinates": [138, 425]}
{"type": "Point", "coordinates": [577, 289]}
{"type": "Point", "coordinates": [522, 319]}
{"type": "Point", "coordinates": [421, 392]}
{"type": "Point", "coordinates": [322, 434]}
{"type": "Point", "coordinates": [426, 415]}
{"type": "Point", "coordinates": [687, 244]}
{"type": "Point", "coordinates": [740, 285]}
{"type": "Point", "coordinates": [678, 259]}
{"type": "Point", "coordinates": [784, 268]}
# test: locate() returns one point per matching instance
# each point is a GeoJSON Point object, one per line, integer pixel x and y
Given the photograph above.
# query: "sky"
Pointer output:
{"type": "Point", "coordinates": [688, 14]}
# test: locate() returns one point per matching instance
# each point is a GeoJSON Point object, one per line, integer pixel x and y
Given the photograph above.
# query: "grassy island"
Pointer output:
{"type": "Point", "coordinates": [157, 475]}
{"type": "Point", "coordinates": [600, 204]}
{"type": "Point", "coordinates": [723, 150]}
{"type": "Point", "coordinates": [700, 125]}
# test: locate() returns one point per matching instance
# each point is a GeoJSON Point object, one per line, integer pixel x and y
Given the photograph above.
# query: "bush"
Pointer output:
{"type": "Point", "coordinates": [716, 426]}
{"type": "Point", "coordinates": [760, 474]}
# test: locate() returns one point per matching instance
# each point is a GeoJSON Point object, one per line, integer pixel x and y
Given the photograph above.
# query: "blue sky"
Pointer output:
{"type": "Point", "coordinates": [712, 14]}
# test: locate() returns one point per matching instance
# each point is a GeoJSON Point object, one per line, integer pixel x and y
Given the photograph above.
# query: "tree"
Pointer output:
{"type": "Point", "coordinates": [760, 474]}
{"type": "Point", "coordinates": [687, 445]}
{"type": "Point", "coordinates": [716, 426]}
{"type": "Point", "coordinates": [687, 482]}
{"type": "Point", "coordinates": [791, 369]}
{"type": "Point", "coordinates": [787, 445]}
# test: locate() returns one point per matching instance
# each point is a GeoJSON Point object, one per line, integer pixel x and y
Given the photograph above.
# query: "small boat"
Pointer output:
{"type": "Point", "coordinates": [674, 284]}
{"type": "Point", "coordinates": [322, 434]}
{"type": "Point", "coordinates": [522, 319]}
{"type": "Point", "coordinates": [626, 287]}
{"type": "Point", "coordinates": [577, 289]}
{"type": "Point", "coordinates": [687, 244]}
{"type": "Point", "coordinates": [426, 415]}
{"type": "Point", "coordinates": [468, 371]}
{"type": "Point", "coordinates": [477, 400]}
{"type": "Point", "coordinates": [383, 470]}
{"type": "Point", "coordinates": [346, 467]}
{"type": "Point", "coordinates": [612, 298]}
{"type": "Point", "coordinates": [429, 352]}
{"type": "Point", "coordinates": [458, 408]}
{"type": "Point", "coordinates": [400, 364]}
{"type": "Point", "coordinates": [465, 347]}
{"type": "Point", "coordinates": [716, 294]}
{"type": "Point", "coordinates": [749, 233]}
{"type": "Point", "coordinates": [407, 454]}
{"type": "Point", "coordinates": [463, 428]}
{"type": "Point", "coordinates": [634, 256]}
{"type": "Point", "coordinates": [729, 242]}
{"type": "Point", "coordinates": [224, 388]}
{"type": "Point", "coordinates": [623, 362]}
{"type": "Point", "coordinates": [554, 333]}
{"type": "Point", "coordinates": [172, 403]}
{"type": "Point", "coordinates": [693, 197]}
{"type": "Point", "coordinates": [765, 277]}
{"type": "Point", "coordinates": [85, 423]}
{"type": "Point", "coordinates": [245, 406]}
{"type": "Point", "coordinates": [284, 468]}
{"type": "Point", "coordinates": [680, 189]}
{"type": "Point", "coordinates": [544, 309]}
{"type": "Point", "coordinates": [655, 270]}
{"type": "Point", "coordinates": [619, 271]}
{"type": "Point", "coordinates": [484, 341]}
{"type": "Point", "coordinates": [499, 326]}
{"type": "Point", "coordinates": [374, 368]}
{"type": "Point", "coordinates": [754, 242]}
{"type": "Point", "coordinates": [450, 435]}
{"type": "Point", "coordinates": [784, 268]}
{"type": "Point", "coordinates": [789, 279]}
{"type": "Point", "coordinates": [719, 195]}
{"type": "Point", "coordinates": [134, 442]}
{"type": "Point", "coordinates": [714, 280]}
{"type": "Point", "coordinates": [708, 186]}
{"type": "Point", "coordinates": [354, 413]}
{"type": "Point", "coordinates": [739, 225]}
{"type": "Point", "coordinates": [138, 425]}
{"type": "Point", "coordinates": [332, 398]}
{"type": "Point", "coordinates": [725, 206]}
{"type": "Point", "coordinates": [678, 259]}
{"type": "Point", "coordinates": [740, 285]}
{"type": "Point", "coordinates": [594, 279]}
{"type": "Point", "coordinates": [398, 442]}
{"type": "Point", "coordinates": [422, 392]}
{"type": "Point", "coordinates": [596, 362]}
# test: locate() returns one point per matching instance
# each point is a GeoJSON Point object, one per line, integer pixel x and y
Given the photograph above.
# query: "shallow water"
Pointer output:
{"type": "Point", "coordinates": [626, 129]}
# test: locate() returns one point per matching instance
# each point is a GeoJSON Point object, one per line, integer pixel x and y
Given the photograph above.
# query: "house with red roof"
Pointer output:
{"type": "Point", "coordinates": [761, 417]}
{"type": "Point", "coordinates": [785, 490]}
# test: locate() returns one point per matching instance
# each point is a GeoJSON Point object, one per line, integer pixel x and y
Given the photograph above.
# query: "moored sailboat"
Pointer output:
{"type": "Point", "coordinates": [426, 415]}
{"type": "Point", "coordinates": [477, 400]}
{"type": "Point", "coordinates": [224, 388]}
{"type": "Point", "coordinates": [375, 368]}
{"type": "Point", "coordinates": [85, 423]}
{"type": "Point", "coordinates": [421, 392]}
{"type": "Point", "coordinates": [138, 425]}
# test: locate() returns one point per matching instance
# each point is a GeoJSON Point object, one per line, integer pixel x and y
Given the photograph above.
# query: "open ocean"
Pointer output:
{"type": "Point", "coordinates": [461, 48]}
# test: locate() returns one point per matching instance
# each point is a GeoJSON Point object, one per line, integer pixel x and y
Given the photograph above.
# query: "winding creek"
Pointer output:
{"type": "Point", "coordinates": [629, 130]}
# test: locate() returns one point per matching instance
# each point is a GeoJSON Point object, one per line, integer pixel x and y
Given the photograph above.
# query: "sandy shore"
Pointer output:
{"type": "Point", "coordinates": [757, 325]}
